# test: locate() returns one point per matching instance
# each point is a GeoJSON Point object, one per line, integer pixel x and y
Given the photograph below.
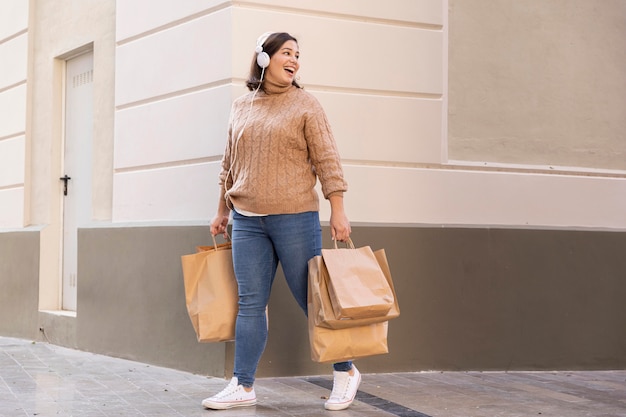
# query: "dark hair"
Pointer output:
{"type": "Point", "coordinates": [270, 46]}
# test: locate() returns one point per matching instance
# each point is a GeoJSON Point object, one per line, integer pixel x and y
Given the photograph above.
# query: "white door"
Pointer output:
{"type": "Point", "coordinates": [76, 180]}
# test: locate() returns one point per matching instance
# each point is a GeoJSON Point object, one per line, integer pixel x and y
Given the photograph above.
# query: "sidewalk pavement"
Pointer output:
{"type": "Point", "coordinates": [39, 379]}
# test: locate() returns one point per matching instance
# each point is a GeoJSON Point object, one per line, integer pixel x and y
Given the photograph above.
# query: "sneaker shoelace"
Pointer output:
{"type": "Point", "coordinates": [341, 382]}
{"type": "Point", "coordinates": [230, 389]}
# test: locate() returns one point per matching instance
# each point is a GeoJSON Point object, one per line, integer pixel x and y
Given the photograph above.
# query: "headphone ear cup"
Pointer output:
{"type": "Point", "coordinates": [263, 59]}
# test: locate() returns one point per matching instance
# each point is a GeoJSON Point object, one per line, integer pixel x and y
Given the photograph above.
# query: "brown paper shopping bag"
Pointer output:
{"type": "Point", "coordinates": [211, 292]}
{"type": "Point", "coordinates": [322, 310]}
{"type": "Point", "coordinates": [357, 285]}
{"type": "Point", "coordinates": [338, 345]}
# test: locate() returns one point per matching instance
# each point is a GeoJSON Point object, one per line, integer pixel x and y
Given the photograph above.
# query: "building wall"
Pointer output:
{"type": "Point", "coordinates": [14, 49]}
{"type": "Point", "coordinates": [403, 140]}
{"type": "Point", "coordinates": [19, 247]}
{"type": "Point", "coordinates": [538, 83]}
{"type": "Point", "coordinates": [202, 66]}
{"type": "Point", "coordinates": [65, 29]}
{"type": "Point", "coordinates": [505, 256]}
{"type": "Point", "coordinates": [19, 283]}
{"type": "Point", "coordinates": [470, 299]}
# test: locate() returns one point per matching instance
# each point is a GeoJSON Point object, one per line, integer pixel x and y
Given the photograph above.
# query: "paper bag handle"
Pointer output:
{"type": "Point", "coordinates": [215, 241]}
{"type": "Point", "coordinates": [348, 242]}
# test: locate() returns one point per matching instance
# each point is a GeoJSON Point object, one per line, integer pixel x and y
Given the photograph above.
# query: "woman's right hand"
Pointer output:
{"type": "Point", "coordinates": [219, 224]}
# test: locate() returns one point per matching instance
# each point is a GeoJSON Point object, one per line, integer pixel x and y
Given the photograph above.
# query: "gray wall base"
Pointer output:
{"type": "Point", "coordinates": [470, 299]}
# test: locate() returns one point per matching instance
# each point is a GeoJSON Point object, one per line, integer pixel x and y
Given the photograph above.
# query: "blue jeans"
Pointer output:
{"type": "Point", "coordinates": [259, 243]}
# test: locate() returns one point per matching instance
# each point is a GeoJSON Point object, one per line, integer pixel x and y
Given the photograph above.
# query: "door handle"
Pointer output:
{"type": "Point", "coordinates": [65, 180]}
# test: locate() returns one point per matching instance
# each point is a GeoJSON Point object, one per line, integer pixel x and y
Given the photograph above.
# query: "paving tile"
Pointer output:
{"type": "Point", "coordinates": [38, 379]}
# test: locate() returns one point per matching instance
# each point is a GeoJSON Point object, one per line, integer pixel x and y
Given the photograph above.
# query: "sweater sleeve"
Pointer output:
{"type": "Point", "coordinates": [323, 150]}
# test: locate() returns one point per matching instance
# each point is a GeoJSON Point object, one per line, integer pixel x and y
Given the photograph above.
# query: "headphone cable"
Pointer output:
{"type": "Point", "coordinates": [236, 143]}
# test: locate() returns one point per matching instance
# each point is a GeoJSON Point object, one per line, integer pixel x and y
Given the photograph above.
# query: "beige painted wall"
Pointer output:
{"type": "Point", "coordinates": [179, 68]}
{"type": "Point", "coordinates": [63, 29]}
{"type": "Point", "coordinates": [381, 74]}
{"type": "Point", "coordinates": [14, 39]}
{"type": "Point", "coordinates": [538, 82]}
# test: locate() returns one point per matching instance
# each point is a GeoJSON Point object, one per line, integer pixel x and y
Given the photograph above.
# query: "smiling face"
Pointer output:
{"type": "Point", "coordinates": [284, 64]}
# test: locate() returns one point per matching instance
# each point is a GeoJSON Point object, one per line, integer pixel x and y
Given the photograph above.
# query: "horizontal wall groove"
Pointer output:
{"type": "Point", "coordinates": [173, 23]}
{"type": "Point", "coordinates": [169, 164]}
{"type": "Point", "coordinates": [12, 86]}
{"type": "Point", "coordinates": [11, 187]}
{"type": "Point", "coordinates": [308, 87]}
{"type": "Point", "coordinates": [537, 169]}
{"type": "Point", "coordinates": [174, 94]}
{"type": "Point", "coordinates": [540, 170]}
{"type": "Point", "coordinates": [341, 16]}
{"type": "Point", "coordinates": [15, 35]}
{"type": "Point", "coordinates": [487, 227]}
{"type": "Point", "coordinates": [359, 91]}
{"type": "Point", "coordinates": [283, 9]}
{"type": "Point", "coordinates": [372, 92]}
{"type": "Point", "coordinates": [12, 136]}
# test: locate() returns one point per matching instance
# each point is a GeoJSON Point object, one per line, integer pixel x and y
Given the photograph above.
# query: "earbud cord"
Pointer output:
{"type": "Point", "coordinates": [236, 144]}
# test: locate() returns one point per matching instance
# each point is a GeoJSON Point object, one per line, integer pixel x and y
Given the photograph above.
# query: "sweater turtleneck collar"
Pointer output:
{"type": "Point", "coordinates": [273, 88]}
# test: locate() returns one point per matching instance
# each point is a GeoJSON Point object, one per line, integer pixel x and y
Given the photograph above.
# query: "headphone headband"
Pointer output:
{"type": "Point", "coordinates": [261, 39]}
{"type": "Point", "coordinates": [262, 58]}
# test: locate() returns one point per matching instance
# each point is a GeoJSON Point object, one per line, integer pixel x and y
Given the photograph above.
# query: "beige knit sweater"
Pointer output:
{"type": "Point", "coordinates": [286, 144]}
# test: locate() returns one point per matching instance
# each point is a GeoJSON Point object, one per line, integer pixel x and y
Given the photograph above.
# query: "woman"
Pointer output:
{"type": "Point", "coordinates": [279, 143]}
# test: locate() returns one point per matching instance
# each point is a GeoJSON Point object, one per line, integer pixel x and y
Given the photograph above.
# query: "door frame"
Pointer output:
{"type": "Point", "coordinates": [51, 235]}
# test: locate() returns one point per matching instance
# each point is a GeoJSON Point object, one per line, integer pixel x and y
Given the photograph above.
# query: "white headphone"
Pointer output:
{"type": "Point", "coordinates": [262, 58]}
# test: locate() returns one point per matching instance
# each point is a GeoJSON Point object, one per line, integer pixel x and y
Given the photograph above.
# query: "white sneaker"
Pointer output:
{"type": "Point", "coordinates": [344, 390]}
{"type": "Point", "coordinates": [234, 395]}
